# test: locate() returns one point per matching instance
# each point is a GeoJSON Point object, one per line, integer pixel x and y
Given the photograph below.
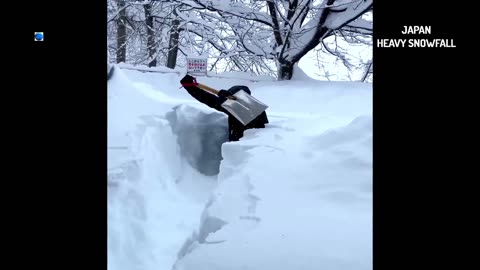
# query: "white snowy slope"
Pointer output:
{"type": "Point", "coordinates": [295, 195]}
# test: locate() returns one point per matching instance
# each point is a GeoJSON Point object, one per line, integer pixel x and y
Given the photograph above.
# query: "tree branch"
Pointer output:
{"type": "Point", "coordinates": [276, 26]}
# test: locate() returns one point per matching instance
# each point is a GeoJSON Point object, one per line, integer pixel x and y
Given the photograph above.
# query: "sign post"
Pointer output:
{"type": "Point", "coordinates": [197, 66]}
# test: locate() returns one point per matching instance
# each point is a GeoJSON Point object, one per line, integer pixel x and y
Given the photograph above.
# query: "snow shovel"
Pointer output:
{"type": "Point", "coordinates": [241, 105]}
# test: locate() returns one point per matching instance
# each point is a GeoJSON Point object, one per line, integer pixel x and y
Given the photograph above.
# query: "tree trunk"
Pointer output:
{"type": "Point", "coordinates": [173, 44]}
{"type": "Point", "coordinates": [152, 50]}
{"type": "Point", "coordinates": [121, 32]}
{"type": "Point", "coordinates": [285, 71]}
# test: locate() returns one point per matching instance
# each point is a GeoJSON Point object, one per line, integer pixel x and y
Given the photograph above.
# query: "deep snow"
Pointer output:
{"type": "Point", "coordinates": [295, 195]}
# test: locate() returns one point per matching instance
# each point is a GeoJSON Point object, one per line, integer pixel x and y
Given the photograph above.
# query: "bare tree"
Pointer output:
{"type": "Point", "coordinates": [143, 27]}
{"type": "Point", "coordinates": [152, 51]}
{"type": "Point", "coordinates": [121, 32]}
{"type": "Point", "coordinates": [173, 43]}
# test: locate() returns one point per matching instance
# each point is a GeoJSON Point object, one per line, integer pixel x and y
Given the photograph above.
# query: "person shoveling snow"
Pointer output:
{"type": "Point", "coordinates": [234, 102]}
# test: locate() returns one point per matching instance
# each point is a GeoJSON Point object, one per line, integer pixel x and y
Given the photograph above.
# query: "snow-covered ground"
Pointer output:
{"type": "Point", "coordinates": [295, 195]}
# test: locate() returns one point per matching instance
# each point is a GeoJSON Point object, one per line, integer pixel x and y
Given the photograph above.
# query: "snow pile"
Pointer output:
{"type": "Point", "coordinates": [299, 74]}
{"type": "Point", "coordinates": [244, 75]}
{"type": "Point", "coordinates": [295, 195]}
{"type": "Point", "coordinates": [149, 216]}
{"type": "Point", "coordinates": [150, 69]}
{"type": "Point", "coordinates": [292, 203]}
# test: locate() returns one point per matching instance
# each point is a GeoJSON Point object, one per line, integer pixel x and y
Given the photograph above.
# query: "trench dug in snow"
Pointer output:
{"type": "Point", "coordinates": [200, 136]}
{"type": "Point", "coordinates": [160, 182]}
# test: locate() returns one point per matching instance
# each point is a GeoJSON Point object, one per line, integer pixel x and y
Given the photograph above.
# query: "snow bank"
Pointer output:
{"type": "Point", "coordinates": [150, 213]}
{"type": "Point", "coordinates": [299, 74]}
{"type": "Point", "coordinates": [288, 203]}
{"type": "Point", "coordinates": [295, 195]}
{"type": "Point", "coordinates": [243, 75]}
{"type": "Point", "coordinates": [150, 69]}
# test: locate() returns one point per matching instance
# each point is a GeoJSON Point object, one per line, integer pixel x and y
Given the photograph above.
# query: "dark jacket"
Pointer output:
{"type": "Point", "coordinates": [236, 128]}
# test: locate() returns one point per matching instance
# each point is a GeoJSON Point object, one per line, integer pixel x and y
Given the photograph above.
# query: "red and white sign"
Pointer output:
{"type": "Point", "coordinates": [197, 66]}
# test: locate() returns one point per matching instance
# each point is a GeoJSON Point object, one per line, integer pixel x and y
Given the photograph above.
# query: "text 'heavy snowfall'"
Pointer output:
{"type": "Point", "coordinates": [416, 42]}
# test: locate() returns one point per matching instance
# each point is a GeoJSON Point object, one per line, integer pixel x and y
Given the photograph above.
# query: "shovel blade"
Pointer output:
{"type": "Point", "coordinates": [245, 108]}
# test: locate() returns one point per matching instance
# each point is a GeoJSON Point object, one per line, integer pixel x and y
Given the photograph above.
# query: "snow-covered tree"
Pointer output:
{"type": "Point", "coordinates": [284, 31]}
{"type": "Point", "coordinates": [141, 29]}
{"type": "Point", "coordinates": [267, 37]}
